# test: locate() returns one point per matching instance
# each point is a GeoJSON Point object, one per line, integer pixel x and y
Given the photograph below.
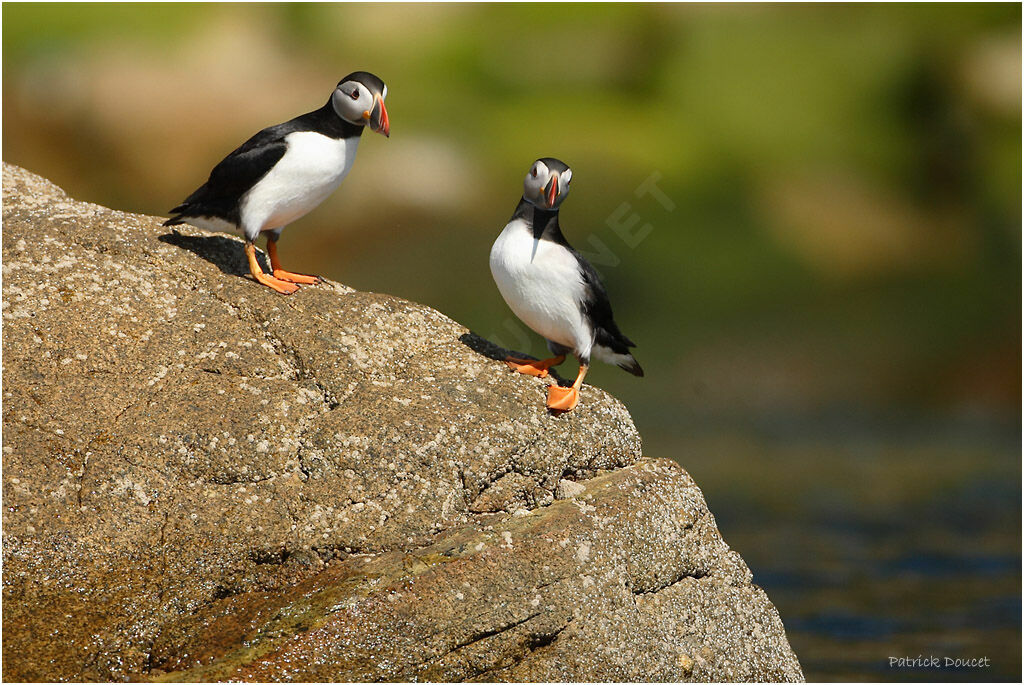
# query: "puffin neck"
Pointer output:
{"type": "Point", "coordinates": [542, 222]}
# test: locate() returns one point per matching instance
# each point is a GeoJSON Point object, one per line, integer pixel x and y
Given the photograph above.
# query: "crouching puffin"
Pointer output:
{"type": "Point", "coordinates": [284, 171]}
{"type": "Point", "coordinates": [552, 288]}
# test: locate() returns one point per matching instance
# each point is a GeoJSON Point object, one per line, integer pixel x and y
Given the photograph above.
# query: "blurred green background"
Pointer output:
{"type": "Point", "coordinates": [825, 288]}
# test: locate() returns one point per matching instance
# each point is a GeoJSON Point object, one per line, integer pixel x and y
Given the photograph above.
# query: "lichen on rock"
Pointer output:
{"type": "Point", "coordinates": [205, 480]}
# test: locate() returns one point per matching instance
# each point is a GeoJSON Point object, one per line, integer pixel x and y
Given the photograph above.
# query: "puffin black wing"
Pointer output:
{"type": "Point", "coordinates": [596, 306]}
{"type": "Point", "coordinates": [232, 178]}
{"type": "Point", "coordinates": [598, 309]}
{"type": "Point", "coordinates": [237, 173]}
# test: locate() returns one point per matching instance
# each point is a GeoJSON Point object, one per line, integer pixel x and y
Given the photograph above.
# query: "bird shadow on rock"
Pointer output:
{"type": "Point", "coordinates": [481, 345]}
{"type": "Point", "coordinates": [226, 254]}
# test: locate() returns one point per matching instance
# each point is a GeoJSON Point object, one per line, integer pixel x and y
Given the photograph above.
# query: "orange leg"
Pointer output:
{"type": "Point", "coordinates": [533, 367]}
{"type": "Point", "coordinates": [283, 275]}
{"type": "Point", "coordinates": [269, 281]}
{"type": "Point", "coordinates": [565, 399]}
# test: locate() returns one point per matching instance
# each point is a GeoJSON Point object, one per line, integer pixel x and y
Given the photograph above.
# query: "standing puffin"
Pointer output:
{"type": "Point", "coordinates": [552, 288]}
{"type": "Point", "coordinates": [283, 172]}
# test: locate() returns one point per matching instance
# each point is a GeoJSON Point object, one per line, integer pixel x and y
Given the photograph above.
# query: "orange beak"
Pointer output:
{"type": "Point", "coordinates": [378, 117]}
{"type": "Point", "coordinates": [552, 190]}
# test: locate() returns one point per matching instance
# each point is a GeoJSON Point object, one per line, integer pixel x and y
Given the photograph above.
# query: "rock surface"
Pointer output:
{"type": "Point", "coordinates": [206, 480]}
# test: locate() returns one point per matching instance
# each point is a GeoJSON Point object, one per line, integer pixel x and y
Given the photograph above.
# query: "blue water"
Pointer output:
{"type": "Point", "coordinates": [875, 546]}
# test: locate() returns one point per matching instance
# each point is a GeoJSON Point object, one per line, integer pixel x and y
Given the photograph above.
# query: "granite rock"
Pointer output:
{"type": "Point", "coordinates": [204, 479]}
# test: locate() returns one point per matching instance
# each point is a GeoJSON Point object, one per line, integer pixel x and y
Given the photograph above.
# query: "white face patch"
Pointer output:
{"type": "Point", "coordinates": [536, 178]}
{"type": "Point", "coordinates": [350, 100]}
{"type": "Point", "coordinates": [536, 183]}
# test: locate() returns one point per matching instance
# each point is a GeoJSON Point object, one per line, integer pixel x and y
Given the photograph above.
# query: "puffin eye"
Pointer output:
{"type": "Point", "coordinates": [533, 171]}
{"type": "Point", "coordinates": [355, 93]}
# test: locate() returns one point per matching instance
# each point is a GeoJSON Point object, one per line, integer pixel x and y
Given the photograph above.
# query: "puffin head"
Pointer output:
{"type": "Point", "coordinates": [359, 99]}
{"type": "Point", "coordinates": [547, 183]}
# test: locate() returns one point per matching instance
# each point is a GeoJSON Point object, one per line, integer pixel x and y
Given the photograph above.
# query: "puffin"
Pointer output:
{"type": "Point", "coordinates": [284, 171]}
{"type": "Point", "coordinates": [553, 289]}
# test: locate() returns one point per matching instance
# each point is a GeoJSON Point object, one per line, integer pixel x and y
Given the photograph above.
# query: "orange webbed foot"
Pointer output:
{"type": "Point", "coordinates": [280, 286]}
{"type": "Point", "coordinates": [283, 287]}
{"type": "Point", "coordinates": [533, 367]}
{"type": "Point", "coordinates": [288, 276]}
{"type": "Point", "coordinates": [563, 399]}
{"type": "Point", "coordinates": [282, 275]}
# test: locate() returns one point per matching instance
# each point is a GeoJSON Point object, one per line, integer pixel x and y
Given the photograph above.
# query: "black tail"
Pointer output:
{"type": "Point", "coordinates": [632, 365]}
{"type": "Point", "coordinates": [611, 338]}
{"type": "Point", "coordinates": [177, 215]}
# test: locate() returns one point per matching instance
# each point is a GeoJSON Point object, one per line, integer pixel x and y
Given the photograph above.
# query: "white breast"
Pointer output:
{"type": "Point", "coordinates": [311, 169]}
{"type": "Point", "coordinates": [541, 282]}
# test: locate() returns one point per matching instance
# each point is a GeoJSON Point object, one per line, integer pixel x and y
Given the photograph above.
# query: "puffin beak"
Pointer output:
{"type": "Point", "coordinates": [377, 118]}
{"type": "Point", "coordinates": [551, 192]}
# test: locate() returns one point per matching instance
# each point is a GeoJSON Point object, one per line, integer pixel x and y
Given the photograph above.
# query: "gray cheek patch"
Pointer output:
{"type": "Point", "coordinates": [530, 187]}
{"type": "Point", "coordinates": [337, 101]}
{"type": "Point", "coordinates": [345, 107]}
{"type": "Point", "coordinates": [534, 187]}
